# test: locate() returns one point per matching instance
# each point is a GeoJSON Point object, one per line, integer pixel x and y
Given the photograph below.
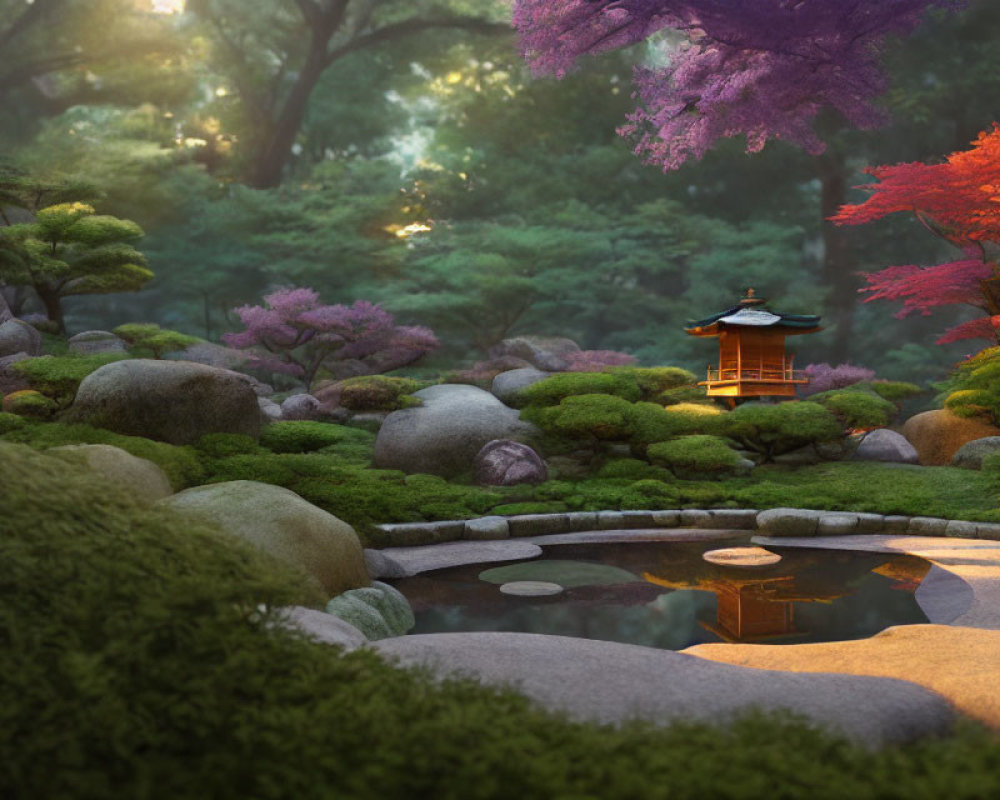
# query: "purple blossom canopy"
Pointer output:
{"type": "Point", "coordinates": [763, 68]}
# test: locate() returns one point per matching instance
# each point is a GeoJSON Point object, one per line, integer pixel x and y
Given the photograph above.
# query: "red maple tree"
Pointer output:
{"type": "Point", "coordinates": [958, 200]}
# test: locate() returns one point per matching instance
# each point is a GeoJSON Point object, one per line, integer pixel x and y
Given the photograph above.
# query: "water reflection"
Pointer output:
{"type": "Point", "coordinates": [682, 600]}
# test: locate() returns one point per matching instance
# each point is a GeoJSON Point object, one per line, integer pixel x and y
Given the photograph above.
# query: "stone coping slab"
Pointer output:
{"type": "Point", "coordinates": [402, 562]}
{"type": "Point", "coordinates": [959, 663]}
{"type": "Point", "coordinates": [974, 562]}
{"type": "Point", "coordinates": [611, 683]}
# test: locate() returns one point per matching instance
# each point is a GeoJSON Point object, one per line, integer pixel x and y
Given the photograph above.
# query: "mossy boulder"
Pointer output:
{"type": "Point", "coordinates": [59, 377]}
{"type": "Point", "coordinates": [29, 403]}
{"type": "Point", "coordinates": [379, 611]}
{"type": "Point", "coordinates": [144, 481]}
{"type": "Point", "coordinates": [170, 401]}
{"type": "Point", "coordinates": [281, 523]}
{"type": "Point", "coordinates": [378, 393]}
{"type": "Point", "coordinates": [938, 435]}
{"type": "Point", "coordinates": [971, 455]}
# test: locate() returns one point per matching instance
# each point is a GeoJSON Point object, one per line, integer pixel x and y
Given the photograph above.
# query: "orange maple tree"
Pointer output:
{"type": "Point", "coordinates": [958, 200]}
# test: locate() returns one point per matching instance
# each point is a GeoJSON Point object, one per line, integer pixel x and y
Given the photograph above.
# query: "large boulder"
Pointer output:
{"type": "Point", "coordinates": [10, 379]}
{"type": "Point", "coordinates": [885, 445]}
{"type": "Point", "coordinates": [938, 435]}
{"type": "Point", "coordinates": [503, 462]}
{"type": "Point", "coordinates": [91, 342]}
{"type": "Point", "coordinates": [303, 407]}
{"type": "Point", "coordinates": [281, 523]}
{"type": "Point", "coordinates": [141, 478]}
{"type": "Point", "coordinates": [443, 436]}
{"type": "Point", "coordinates": [507, 384]}
{"type": "Point", "coordinates": [379, 611]}
{"type": "Point", "coordinates": [544, 352]}
{"type": "Point", "coordinates": [971, 455]}
{"type": "Point", "coordinates": [17, 336]}
{"type": "Point", "coordinates": [171, 401]}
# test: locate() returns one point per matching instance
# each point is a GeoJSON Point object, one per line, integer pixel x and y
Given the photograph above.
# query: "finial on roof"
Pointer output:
{"type": "Point", "coordinates": [751, 300]}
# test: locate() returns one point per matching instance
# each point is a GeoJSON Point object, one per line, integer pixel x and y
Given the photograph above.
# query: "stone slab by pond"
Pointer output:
{"type": "Point", "coordinates": [976, 562]}
{"type": "Point", "coordinates": [639, 535]}
{"type": "Point", "coordinates": [401, 562]}
{"type": "Point", "coordinates": [609, 682]}
{"type": "Point", "coordinates": [531, 589]}
{"type": "Point", "coordinates": [322, 627]}
{"type": "Point", "coordinates": [959, 663]}
{"type": "Point", "coordinates": [745, 557]}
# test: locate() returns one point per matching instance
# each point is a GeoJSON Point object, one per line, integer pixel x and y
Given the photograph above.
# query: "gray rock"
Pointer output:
{"type": "Point", "coordinates": [870, 523]}
{"type": "Point", "coordinates": [322, 627]}
{"type": "Point", "coordinates": [392, 613]}
{"type": "Point", "coordinates": [988, 530]}
{"type": "Point", "coordinates": [270, 409]}
{"type": "Point", "coordinates": [885, 445]}
{"type": "Point", "coordinates": [381, 564]}
{"type": "Point", "coordinates": [538, 524]}
{"type": "Point", "coordinates": [281, 523]}
{"type": "Point", "coordinates": [487, 529]}
{"type": "Point", "coordinates": [91, 342]}
{"type": "Point", "coordinates": [743, 467]}
{"type": "Point", "coordinates": [610, 520]}
{"type": "Point", "coordinates": [836, 524]}
{"type": "Point", "coordinates": [788, 522]}
{"type": "Point", "coordinates": [928, 526]}
{"type": "Point", "coordinates": [171, 401]}
{"type": "Point", "coordinates": [582, 520]}
{"type": "Point", "coordinates": [943, 596]}
{"type": "Point", "coordinates": [531, 589]}
{"type": "Point", "coordinates": [406, 561]}
{"type": "Point", "coordinates": [507, 384]}
{"type": "Point", "coordinates": [894, 523]}
{"type": "Point", "coordinates": [971, 454]}
{"type": "Point", "coordinates": [10, 379]}
{"type": "Point", "coordinates": [145, 481]}
{"type": "Point", "coordinates": [961, 529]}
{"type": "Point", "coordinates": [666, 519]}
{"type": "Point", "coordinates": [443, 436]}
{"type": "Point", "coordinates": [503, 462]}
{"type": "Point", "coordinates": [610, 683]}
{"type": "Point", "coordinates": [301, 407]}
{"type": "Point", "coordinates": [17, 336]}
{"type": "Point", "coordinates": [547, 353]}
{"type": "Point", "coordinates": [738, 519]}
{"type": "Point", "coordinates": [695, 518]}
{"type": "Point", "coordinates": [406, 534]}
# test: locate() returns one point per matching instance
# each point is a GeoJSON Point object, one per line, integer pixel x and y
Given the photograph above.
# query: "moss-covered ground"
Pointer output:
{"type": "Point", "coordinates": [140, 659]}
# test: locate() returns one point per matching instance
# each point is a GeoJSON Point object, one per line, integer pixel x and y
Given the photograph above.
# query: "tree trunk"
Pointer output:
{"type": "Point", "coordinates": [839, 271]}
{"type": "Point", "coordinates": [53, 305]}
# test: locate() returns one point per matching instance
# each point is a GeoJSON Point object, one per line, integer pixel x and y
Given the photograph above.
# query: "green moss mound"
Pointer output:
{"type": "Point", "coordinates": [379, 393]}
{"type": "Point", "coordinates": [695, 455]}
{"type": "Point", "coordinates": [587, 416]}
{"type": "Point", "coordinates": [780, 428]}
{"type": "Point", "coordinates": [29, 403]}
{"type": "Point", "coordinates": [148, 340]}
{"type": "Point", "coordinates": [58, 377]}
{"type": "Point", "coordinates": [857, 408]}
{"type": "Point", "coordinates": [553, 390]}
{"type": "Point", "coordinates": [306, 436]}
{"type": "Point", "coordinates": [656, 381]}
{"type": "Point", "coordinates": [182, 465]}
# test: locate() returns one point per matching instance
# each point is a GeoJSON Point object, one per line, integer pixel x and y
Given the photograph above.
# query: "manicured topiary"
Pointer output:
{"type": "Point", "coordinates": [857, 408]}
{"type": "Point", "coordinates": [775, 429]}
{"type": "Point", "coordinates": [146, 339]}
{"type": "Point", "coordinates": [305, 436]}
{"type": "Point", "coordinates": [588, 417]}
{"type": "Point", "coordinates": [182, 465]}
{"type": "Point", "coordinates": [29, 403]}
{"type": "Point", "coordinates": [379, 393]}
{"type": "Point", "coordinates": [655, 381]}
{"type": "Point", "coordinates": [649, 422]}
{"type": "Point", "coordinates": [894, 391]}
{"type": "Point", "coordinates": [58, 377]}
{"type": "Point", "coordinates": [556, 388]}
{"type": "Point", "coordinates": [695, 455]}
{"type": "Point", "coordinates": [648, 494]}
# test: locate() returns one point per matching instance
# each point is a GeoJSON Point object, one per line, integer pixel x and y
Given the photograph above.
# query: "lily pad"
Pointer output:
{"type": "Point", "coordinates": [565, 573]}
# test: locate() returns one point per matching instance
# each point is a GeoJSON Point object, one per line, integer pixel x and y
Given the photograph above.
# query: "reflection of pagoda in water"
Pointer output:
{"type": "Point", "coordinates": [761, 604]}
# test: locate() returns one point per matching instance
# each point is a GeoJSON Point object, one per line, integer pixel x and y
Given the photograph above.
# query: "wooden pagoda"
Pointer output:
{"type": "Point", "coordinates": [752, 358]}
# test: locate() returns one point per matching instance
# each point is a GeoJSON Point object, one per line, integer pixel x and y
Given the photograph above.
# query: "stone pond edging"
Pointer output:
{"type": "Point", "coordinates": [795, 522]}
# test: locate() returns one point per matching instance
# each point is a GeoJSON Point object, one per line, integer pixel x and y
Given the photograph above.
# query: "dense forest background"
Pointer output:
{"type": "Point", "coordinates": [402, 153]}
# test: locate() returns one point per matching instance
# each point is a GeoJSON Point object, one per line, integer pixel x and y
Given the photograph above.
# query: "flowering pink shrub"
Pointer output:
{"type": "Point", "coordinates": [295, 335]}
{"type": "Point", "coordinates": [823, 377]}
{"type": "Point", "coordinates": [596, 360]}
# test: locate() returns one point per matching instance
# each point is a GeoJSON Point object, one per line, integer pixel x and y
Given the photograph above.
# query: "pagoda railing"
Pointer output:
{"type": "Point", "coordinates": [766, 371]}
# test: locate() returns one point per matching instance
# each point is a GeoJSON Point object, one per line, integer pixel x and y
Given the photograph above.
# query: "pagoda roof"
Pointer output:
{"type": "Point", "coordinates": [755, 316]}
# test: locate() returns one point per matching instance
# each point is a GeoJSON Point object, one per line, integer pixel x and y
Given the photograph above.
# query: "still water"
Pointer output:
{"type": "Point", "coordinates": [663, 594]}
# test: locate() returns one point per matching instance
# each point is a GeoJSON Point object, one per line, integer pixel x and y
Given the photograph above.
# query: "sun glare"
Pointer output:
{"type": "Point", "coordinates": [168, 6]}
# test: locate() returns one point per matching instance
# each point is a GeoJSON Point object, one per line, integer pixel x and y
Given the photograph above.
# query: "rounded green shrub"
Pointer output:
{"type": "Point", "coordinates": [379, 393]}
{"type": "Point", "coordinates": [29, 403]}
{"type": "Point", "coordinates": [586, 416]}
{"type": "Point", "coordinates": [773, 429]}
{"type": "Point", "coordinates": [857, 408]}
{"type": "Point", "coordinates": [10, 422]}
{"type": "Point", "coordinates": [894, 391]}
{"type": "Point", "coordinates": [221, 445]}
{"type": "Point", "coordinates": [655, 381]}
{"type": "Point", "coordinates": [303, 436]}
{"type": "Point", "coordinates": [58, 377]}
{"type": "Point", "coordinates": [694, 455]}
{"type": "Point", "coordinates": [632, 469]}
{"type": "Point", "coordinates": [648, 495]}
{"type": "Point", "coordinates": [553, 390]}
{"type": "Point", "coordinates": [971, 402]}
{"type": "Point", "coordinates": [649, 422]}
{"type": "Point", "coordinates": [147, 339]}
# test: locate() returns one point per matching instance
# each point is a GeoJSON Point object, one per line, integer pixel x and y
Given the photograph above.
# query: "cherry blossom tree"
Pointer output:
{"type": "Point", "coordinates": [763, 68]}
{"type": "Point", "coordinates": [959, 201]}
{"type": "Point", "coordinates": [298, 336]}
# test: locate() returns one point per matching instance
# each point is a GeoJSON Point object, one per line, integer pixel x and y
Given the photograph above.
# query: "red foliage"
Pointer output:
{"type": "Point", "coordinates": [958, 200]}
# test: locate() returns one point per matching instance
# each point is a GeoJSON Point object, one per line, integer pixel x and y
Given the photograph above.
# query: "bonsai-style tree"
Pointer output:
{"type": "Point", "coordinates": [764, 68]}
{"type": "Point", "coordinates": [958, 200]}
{"type": "Point", "coordinates": [300, 336]}
{"type": "Point", "coordinates": [70, 250]}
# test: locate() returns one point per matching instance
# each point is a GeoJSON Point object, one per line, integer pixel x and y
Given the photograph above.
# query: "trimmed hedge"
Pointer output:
{"type": "Point", "coordinates": [857, 408]}
{"type": "Point", "coordinates": [695, 455]}
{"type": "Point", "coordinates": [58, 377]}
{"type": "Point", "coordinates": [379, 393]}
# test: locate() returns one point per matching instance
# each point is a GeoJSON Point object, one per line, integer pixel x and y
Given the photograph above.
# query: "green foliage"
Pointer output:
{"type": "Point", "coordinates": [655, 381]}
{"type": "Point", "coordinates": [145, 339]}
{"type": "Point", "coordinates": [775, 429]}
{"type": "Point", "coordinates": [553, 390]}
{"type": "Point", "coordinates": [379, 393]}
{"type": "Point", "coordinates": [305, 436]}
{"type": "Point", "coordinates": [648, 495]}
{"type": "Point", "coordinates": [649, 422]}
{"type": "Point", "coordinates": [857, 408]}
{"type": "Point", "coordinates": [894, 391]}
{"type": "Point", "coordinates": [538, 507]}
{"type": "Point", "coordinates": [10, 422]}
{"type": "Point", "coordinates": [584, 416]}
{"type": "Point", "coordinates": [181, 464]}
{"type": "Point", "coordinates": [972, 403]}
{"type": "Point", "coordinates": [694, 455]}
{"type": "Point", "coordinates": [29, 403]}
{"type": "Point", "coordinates": [58, 377]}
{"type": "Point", "coordinates": [223, 445]}
{"type": "Point", "coordinates": [632, 469]}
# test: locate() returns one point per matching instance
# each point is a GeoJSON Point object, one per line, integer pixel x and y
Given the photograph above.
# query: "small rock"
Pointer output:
{"type": "Point", "coordinates": [503, 462]}
{"type": "Point", "coordinates": [531, 588]}
{"type": "Point", "coordinates": [301, 407]}
{"type": "Point", "coordinates": [17, 336]}
{"type": "Point", "coordinates": [543, 352]}
{"type": "Point", "coordinates": [971, 454]}
{"type": "Point", "coordinates": [741, 557]}
{"type": "Point", "coordinates": [885, 445]}
{"type": "Point", "coordinates": [487, 528]}
{"type": "Point", "coordinates": [91, 342]}
{"type": "Point", "coordinates": [787, 522]}
{"type": "Point", "coordinates": [507, 384]}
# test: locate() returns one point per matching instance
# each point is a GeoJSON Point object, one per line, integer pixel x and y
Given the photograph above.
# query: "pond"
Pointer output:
{"type": "Point", "coordinates": [666, 595]}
